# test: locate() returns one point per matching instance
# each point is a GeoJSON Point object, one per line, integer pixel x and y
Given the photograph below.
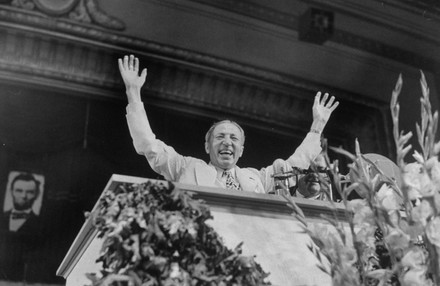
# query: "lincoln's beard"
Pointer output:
{"type": "Point", "coordinates": [23, 206]}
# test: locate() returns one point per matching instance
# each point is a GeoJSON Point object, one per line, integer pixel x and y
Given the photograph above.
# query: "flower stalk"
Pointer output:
{"type": "Point", "coordinates": [393, 228]}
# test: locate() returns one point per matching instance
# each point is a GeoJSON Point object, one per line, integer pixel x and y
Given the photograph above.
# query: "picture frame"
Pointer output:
{"type": "Point", "coordinates": [36, 207]}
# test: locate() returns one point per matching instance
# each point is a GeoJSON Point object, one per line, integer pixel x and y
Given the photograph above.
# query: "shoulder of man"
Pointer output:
{"type": "Point", "coordinates": [252, 172]}
{"type": "Point", "coordinates": [250, 179]}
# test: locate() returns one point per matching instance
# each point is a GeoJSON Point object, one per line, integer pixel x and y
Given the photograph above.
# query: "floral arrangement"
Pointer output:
{"type": "Point", "coordinates": [156, 235]}
{"type": "Point", "coordinates": [392, 235]}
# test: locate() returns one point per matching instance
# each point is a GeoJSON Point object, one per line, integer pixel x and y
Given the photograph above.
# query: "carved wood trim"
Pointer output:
{"type": "Point", "coordinates": [81, 59]}
{"type": "Point", "coordinates": [83, 68]}
{"type": "Point", "coordinates": [340, 36]}
{"type": "Point", "coordinates": [86, 11]}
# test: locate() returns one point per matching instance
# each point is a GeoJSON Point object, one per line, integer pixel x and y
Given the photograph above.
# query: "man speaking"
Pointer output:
{"type": "Point", "coordinates": [224, 143]}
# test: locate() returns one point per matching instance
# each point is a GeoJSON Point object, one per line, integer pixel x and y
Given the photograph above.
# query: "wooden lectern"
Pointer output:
{"type": "Point", "coordinates": [263, 222]}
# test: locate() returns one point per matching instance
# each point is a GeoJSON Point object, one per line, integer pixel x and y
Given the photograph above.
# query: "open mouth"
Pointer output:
{"type": "Point", "coordinates": [226, 153]}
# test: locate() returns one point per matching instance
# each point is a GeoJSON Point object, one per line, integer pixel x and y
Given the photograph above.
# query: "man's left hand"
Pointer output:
{"type": "Point", "coordinates": [322, 109]}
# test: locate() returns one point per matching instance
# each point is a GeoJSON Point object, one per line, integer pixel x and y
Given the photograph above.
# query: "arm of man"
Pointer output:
{"type": "Point", "coordinates": [162, 158]}
{"type": "Point", "coordinates": [310, 147]}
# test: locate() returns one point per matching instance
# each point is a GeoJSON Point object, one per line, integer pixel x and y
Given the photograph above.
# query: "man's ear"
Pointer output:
{"type": "Point", "coordinates": [241, 151]}
{"type": "Point", "coordinates": [206, 147]}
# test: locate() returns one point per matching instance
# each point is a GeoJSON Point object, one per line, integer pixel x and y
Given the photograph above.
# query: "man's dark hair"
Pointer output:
{"type": "Point", "coordinates": [26, 177]}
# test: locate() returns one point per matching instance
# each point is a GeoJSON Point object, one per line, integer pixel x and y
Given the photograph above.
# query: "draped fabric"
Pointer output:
{"type": "Point", "coordinates": [76, 144]}
{"type": "Point", "coordinates": [41, 132]}
{"type": "Point", "coordinates": [36, 122]}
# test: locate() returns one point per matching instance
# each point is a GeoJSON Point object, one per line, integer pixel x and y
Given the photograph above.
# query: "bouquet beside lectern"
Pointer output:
{"type": "Point", "coordinates": [156, 235]}
{"type": "Point", "coordinates": [391, 235]}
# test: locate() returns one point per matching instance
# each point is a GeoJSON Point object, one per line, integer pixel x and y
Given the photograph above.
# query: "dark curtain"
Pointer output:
{"type": "Point", "coordinates": [76, 143]}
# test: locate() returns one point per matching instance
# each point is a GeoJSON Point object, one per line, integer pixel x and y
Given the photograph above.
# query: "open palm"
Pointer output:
{"type": "Point", "coordinates": [322, 109]}
{"type": "Point", "coordinates": [129, 69]}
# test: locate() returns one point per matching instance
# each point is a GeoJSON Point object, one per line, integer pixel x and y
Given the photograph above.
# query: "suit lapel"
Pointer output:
{"type": "Point", "coordinates": [205, 175]}
{"type": "Point", "coordinates": [247, 182]}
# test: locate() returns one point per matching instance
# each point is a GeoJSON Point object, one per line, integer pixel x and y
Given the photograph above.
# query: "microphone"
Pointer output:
{"type": "Point", "coordinates": [282, 174]}
{"type": "Point", "coordinates": [281, 170]}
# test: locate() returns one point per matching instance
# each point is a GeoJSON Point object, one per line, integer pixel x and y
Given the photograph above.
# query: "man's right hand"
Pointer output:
{"type": "Point", "coordinates": [129, 69]}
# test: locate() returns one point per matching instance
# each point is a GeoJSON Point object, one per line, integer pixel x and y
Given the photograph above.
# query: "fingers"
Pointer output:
{"type": "Point", "coordinates": [144, 74]}
{"type": "Point", "coordinates": [123, 63]}
{"type": "Point", "coordinates": [126, 62]}
{"type": "Point", "coordinates": [120, 65]}
{"type": "Point", "coordinates": [334, 106]}
{"type": "Point", "coordinates": [130, 63]}
{"type": "Point", "coordinates": [317, 98]}
{"type": "Point", "coordinates": [325, 98]}
{"type": "Point", "coordinates": [330, 104]}
{"type": "Point", "coordinates": [136, 64]}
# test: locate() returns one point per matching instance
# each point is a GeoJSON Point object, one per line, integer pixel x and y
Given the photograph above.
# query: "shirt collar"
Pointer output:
{"type": "Point", "coordinates": [220, 171]}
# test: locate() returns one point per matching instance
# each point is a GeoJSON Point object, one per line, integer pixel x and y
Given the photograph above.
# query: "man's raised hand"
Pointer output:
{"type": "Point", "coordinates": [322, 109]}
{"type": "Point", "coordinates": [129, 69]}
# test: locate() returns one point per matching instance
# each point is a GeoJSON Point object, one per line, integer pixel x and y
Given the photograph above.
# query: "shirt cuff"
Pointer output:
{"type": "Point", "coordinates": [315, 131]}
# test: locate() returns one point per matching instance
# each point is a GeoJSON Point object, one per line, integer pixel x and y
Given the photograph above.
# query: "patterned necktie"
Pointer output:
{"type": "Point", "coordinates": [231, 184]}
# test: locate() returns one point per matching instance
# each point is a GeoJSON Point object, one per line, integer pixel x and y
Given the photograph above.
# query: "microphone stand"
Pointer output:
{"type": "Point", "coordinates": [282, 185]}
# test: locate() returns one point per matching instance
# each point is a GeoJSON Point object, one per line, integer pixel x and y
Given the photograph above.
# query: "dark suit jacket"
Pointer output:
{"type": "Point", "coordinates": [16, 247]}
{"type": "Point", "coordinates": [31, 225]}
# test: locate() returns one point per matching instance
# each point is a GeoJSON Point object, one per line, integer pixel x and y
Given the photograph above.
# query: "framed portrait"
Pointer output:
{"type": "Point", "coordinates": [26, 180]}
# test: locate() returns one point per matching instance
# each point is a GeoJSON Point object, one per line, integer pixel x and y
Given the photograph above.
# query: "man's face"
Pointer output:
{"type": "Point", "coordinates": [24, 194]}
{"type": "Point", "coordinates": [225, 146]}
{"type": "Point", "coordinates": [310, 184]}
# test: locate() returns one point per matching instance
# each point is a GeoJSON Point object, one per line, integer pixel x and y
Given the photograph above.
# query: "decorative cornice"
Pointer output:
{"type": "Point", "coordinates": [83, 14]}
{"type": "Point", "coordinates": [29, 56]}
{"type": "Point", "coordinates": [253, 10]}
{"type": "Point", "coordinates": [80, 35]}
{"type": "Point", "coordinates": [75, 56]}
{"type": "Point", "coordinates": [291, 21]}
{"type": "Point", "coordinates": [83, 11]}
{"type": "Point", "coordinates": [429, 9]}
{"type": "Point", "coordinates": [361, 43]}
{"type": "Point", "coordinates": [100, 37]}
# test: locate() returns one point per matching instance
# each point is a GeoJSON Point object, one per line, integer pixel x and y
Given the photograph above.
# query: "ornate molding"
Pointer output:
{"type": "Point", "coordinates": [83, 11]}
{"type": "Point", "coordinates": [103, 36]}
{"type": "Point", "coordinates": [103, 40]}
{"type": "Point", "coordinates": [429, 9]}
{"type": "Point", "coordinates": [385, 51]}
{"type": "Point", "coordinates": [291, 21]}
{"type": "Point", "coordinates": [254, 10]}
{"type": "Point", "coordinates": [183, 80]}
{"type": "Point", "coordinates": [26, 56]}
